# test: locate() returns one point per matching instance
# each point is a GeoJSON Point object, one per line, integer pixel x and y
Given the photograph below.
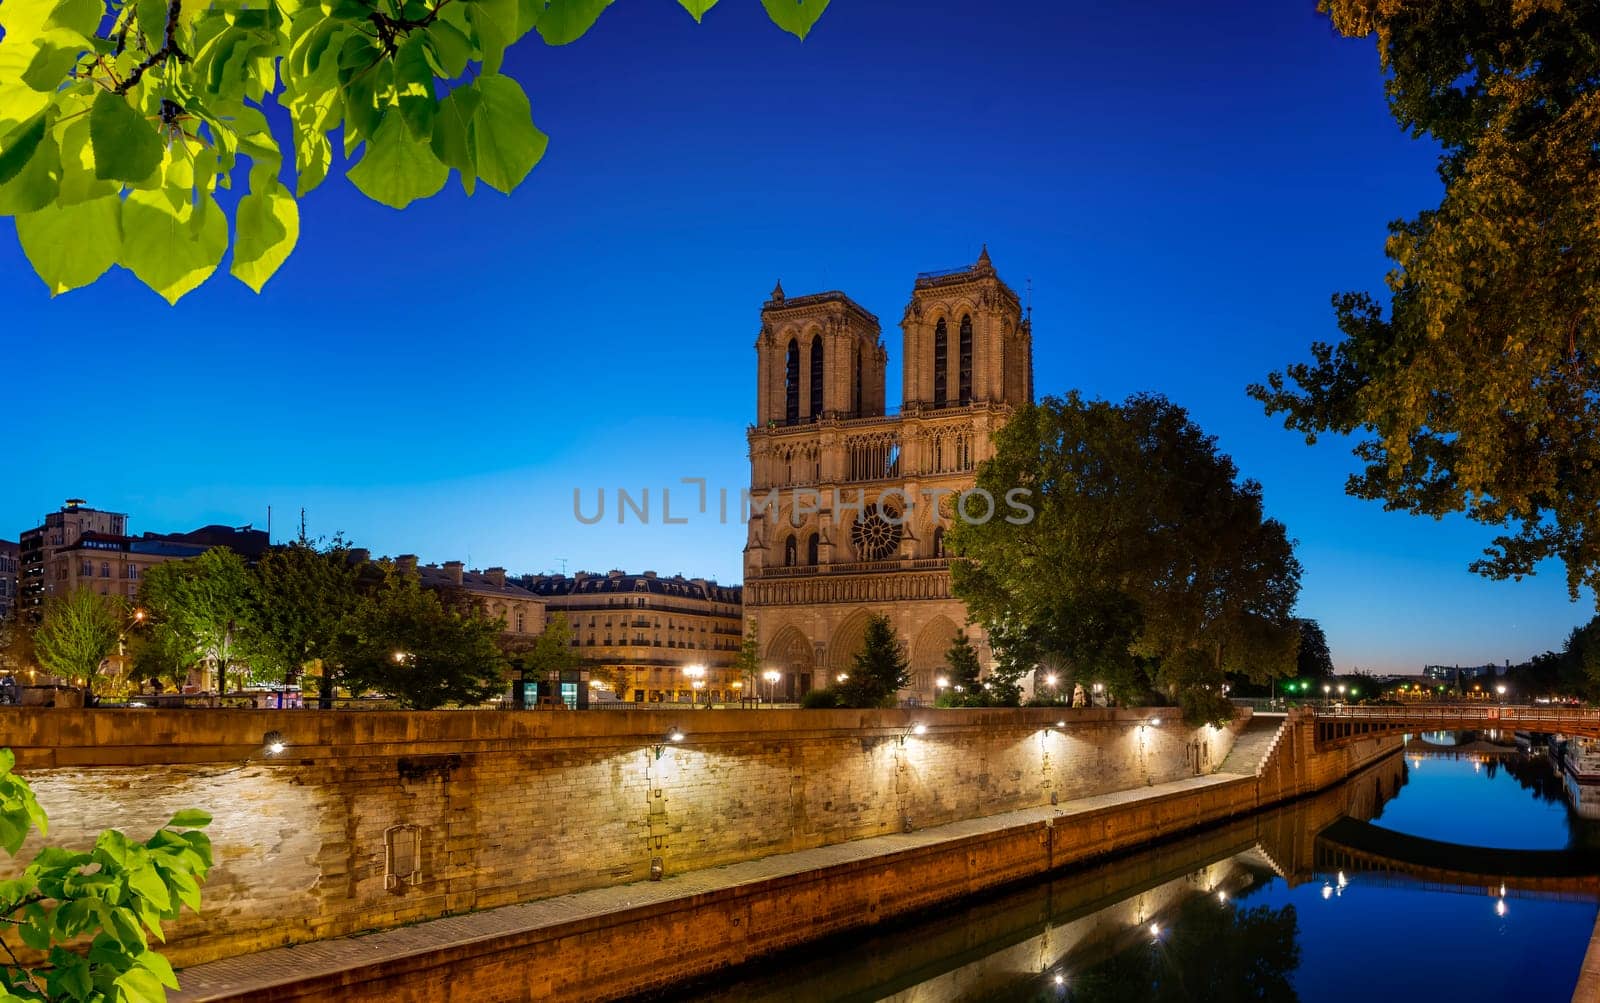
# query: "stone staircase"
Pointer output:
{"type": "Point", "coordinates": [1254, 745]}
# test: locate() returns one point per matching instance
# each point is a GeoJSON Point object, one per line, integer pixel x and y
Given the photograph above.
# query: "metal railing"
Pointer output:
{"type": "Point", "coordinates": [1505, 714]}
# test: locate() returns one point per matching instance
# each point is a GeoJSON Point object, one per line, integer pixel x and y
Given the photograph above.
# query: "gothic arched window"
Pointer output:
{"type": "Point", "coordinates": [813, 548]}
{"type": "Point", "coordinates": [816, 377]}
{"type": "Point", "coordinates": [791, 383]}
{"type": "Point", "coordinates": [966, 359]}
{"type": "Point", "coordinates": [941, 352]}
{"type": "Point", "coordinates": [790, 546]}
{"type": "Point", "coordinates": [857, 410]}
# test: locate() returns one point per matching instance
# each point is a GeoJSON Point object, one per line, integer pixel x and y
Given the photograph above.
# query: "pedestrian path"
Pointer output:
{"type": "Point", "coordinates": [230, 978]}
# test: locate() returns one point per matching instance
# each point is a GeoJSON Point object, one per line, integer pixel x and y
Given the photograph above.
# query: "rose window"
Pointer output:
{"type": "Point", "coordinates": [876, 535]}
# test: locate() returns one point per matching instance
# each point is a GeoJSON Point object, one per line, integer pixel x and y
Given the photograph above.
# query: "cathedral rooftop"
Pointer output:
{"type": "Point", "coordinates": [780, 302]}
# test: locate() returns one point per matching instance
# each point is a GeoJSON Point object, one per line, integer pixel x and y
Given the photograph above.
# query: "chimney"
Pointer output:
{"type": "Point", "coordinates": [406, 563]}
{"type": "Point", "coordinates": [496, 576]}
{"type": "Point", "coordinates": [454, 569]}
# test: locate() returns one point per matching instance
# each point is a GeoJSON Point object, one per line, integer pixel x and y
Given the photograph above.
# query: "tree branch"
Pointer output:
{"type": "Point", "coordinates": [169, 50]}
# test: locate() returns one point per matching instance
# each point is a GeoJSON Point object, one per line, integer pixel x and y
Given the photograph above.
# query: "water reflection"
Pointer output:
{"type": "Point", "coordinates": [1264, 908]}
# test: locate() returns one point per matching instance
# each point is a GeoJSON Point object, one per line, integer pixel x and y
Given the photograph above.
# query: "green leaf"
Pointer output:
{"type": "Point", "coordinates": [58, 51]}
{"type": "Point", "coordinates": [504, 142]}
{"type": "Point", "coordinates": [71, 246]}
{"type": "Point", "coordinates": [450, 143]}
{"type": "Point", "coordinates": [126, 147]}
{"type": "Point", "coordinates": [266, 229]}
{"type": "Point", "coordinates": [37, 186]}
{"type": "Point", "coordinates": [413, 82]}
{"type": "Point", "coordinates": [147, 882]}
{"type": "Point", "coordinates": [564, 21]}
{"type": "Point", "coordinates": [159, 247]}
{"type": "Point", "coordinates": [151, 18]}
{"type": "Point", "coordinates": [189, 818]}
{"type": "Point", "coordinates": [125, 926]}
{"type": "Point", "coordinates": [450, 48]}
{"type": "Point", "coordinates": [140, 985]}
{"type": "Point", "coordinates": [36, 936]}
{"type": "Point", "coordinates": [795, 16]}
{"type": "Point", "coordinates": [8, 762]}
{"type": "Point", "coordinates": [81, 16]}
{"type": "Point", "coordinates": [698, 8]}
{"type": "Point", "coordinates": [496, 24]}
{"type": "Point", "coordinates": [158, 966]}
{"type": "Point", "coordinates": [19, 145]}
{"type": "Point", "coordinates": [396, 169]}
{"type": "Point", "coordinates": [186, 886]}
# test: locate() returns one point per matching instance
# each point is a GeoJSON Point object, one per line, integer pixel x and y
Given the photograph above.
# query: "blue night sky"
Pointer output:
{"type": "Point", "coordinates": [1184, 185]}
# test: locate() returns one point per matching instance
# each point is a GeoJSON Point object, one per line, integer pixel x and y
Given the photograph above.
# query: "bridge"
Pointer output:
{"type": "Point", "coordinates": [1344, 724]}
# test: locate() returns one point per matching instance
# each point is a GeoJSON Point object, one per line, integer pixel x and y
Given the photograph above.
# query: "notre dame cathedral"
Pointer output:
{"type": "Point", "coordinates": [850, 499]}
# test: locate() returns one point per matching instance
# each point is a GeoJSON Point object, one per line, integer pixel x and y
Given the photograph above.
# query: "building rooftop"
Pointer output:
{"type": "Point", "coordinates": [617, 582]}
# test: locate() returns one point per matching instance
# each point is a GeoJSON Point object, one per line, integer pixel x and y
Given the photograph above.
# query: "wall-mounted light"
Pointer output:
{"type": "Point", "coordinates": [1155, 931]}
{"type": "Point", "coordinates": [273, 743]}
{"type": "Point", "coordinates": [919, 729]}
{"type": "Point", "coordinates": [1155, 722]}
{"type": "Point", "coordinates": [673, 737]}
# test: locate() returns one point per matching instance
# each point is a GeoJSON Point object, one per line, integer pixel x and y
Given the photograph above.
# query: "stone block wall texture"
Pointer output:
{"type": "Point", "coordinates": [510, 807]}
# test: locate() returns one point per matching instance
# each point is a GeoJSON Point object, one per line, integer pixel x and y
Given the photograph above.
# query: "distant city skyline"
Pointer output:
{"type": "Point", "coordinates": [1178, 194]}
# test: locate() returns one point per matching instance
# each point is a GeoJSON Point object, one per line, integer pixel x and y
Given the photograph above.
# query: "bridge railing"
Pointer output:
{"type": "Point", "coordinates": [1527, 717]}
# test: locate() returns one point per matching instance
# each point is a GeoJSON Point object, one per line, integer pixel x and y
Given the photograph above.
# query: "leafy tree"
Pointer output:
{"type": "Point", "coordinates": [1478, 391]}
{"type": "Point", "coordinates": [16, 642]}
{"type": "Point", "coordinates": [301, 595]}
{"type": "Point", "coordinates": [962, 672]}
{"type": "Point", "coordinates": [748, 662]}
{"type": "Point", "coordinates": [78, 633]}
{"type": "Point", "coordinates": [115, 896]}
{"type": "Point", "coordinates": [160, 654]}
{"type": "Point", "coordinates": [208, 603]}
{"type": "Point", "coordinates": [878, 671]}
{"type": "Point", "coordinates": [1146, 560]}
{"type": "Point", "coordinates": [1313, 661]}
{"type": "Point", "coordinates": [551, 654]}
{"type": "Point", "coordinates": [119, 122]}
{"type": "Point", "coordinates": [401, 640]}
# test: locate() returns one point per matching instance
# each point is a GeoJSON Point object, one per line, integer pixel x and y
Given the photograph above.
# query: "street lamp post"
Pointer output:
{"type": "Point", "coordinates": [771, 676]}
{"type": "Point", "coordinates": [697, 682]}
{"type": "Point", "coordinates": [1326, 698]}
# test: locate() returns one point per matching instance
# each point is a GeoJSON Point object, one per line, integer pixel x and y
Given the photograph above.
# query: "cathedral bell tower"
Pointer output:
{"type": "Point", "coordinates": [818, 356]}
{"type": "Point", "coordinates": [966, 341]}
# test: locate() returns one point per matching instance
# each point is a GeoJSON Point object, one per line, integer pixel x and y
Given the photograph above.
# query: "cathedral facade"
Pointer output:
{"type": "Point", "coordinates": [850, 499]}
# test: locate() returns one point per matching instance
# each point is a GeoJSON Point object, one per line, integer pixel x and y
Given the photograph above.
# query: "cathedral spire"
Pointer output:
{"type": "Point", "coordinates": [983, 258]}
{"type": "Point", "coordinates": [777, 292]}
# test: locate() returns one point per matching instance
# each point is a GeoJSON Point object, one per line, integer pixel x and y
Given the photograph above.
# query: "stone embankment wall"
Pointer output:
{"type": "Point", "coordinates": [370, 819]}
{"type": "Point", "coordinates": [653, 945]}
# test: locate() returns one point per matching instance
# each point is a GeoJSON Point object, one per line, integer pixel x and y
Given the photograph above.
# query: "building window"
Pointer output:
{"type": "Point", "coordinates": [791, 384]}
{"type": "Point", "coordinates": [789, 548]}
{"type": "Point", "coordinates": [86, 569]}
{"type": "Point", "coordinates": [816, 377]}
{"type": "Point", "coordinates": [105, 569]}
{"type": "Point", "coordinates": [812, 548]}
{"type": "Point", "coordinates": [858, 409]}
{"type": "Point", "coordinates": [941, 351]}
{"type": "Point", "coordinates": [966, 359]}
